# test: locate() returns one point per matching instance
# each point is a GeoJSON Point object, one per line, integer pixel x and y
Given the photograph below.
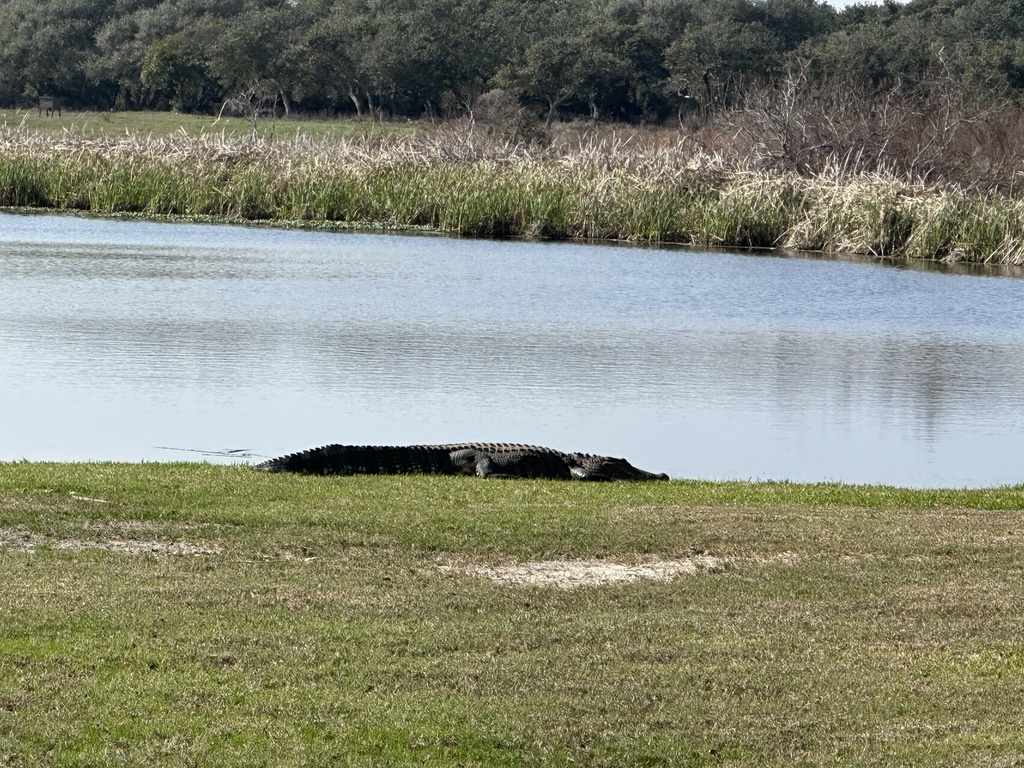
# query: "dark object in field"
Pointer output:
{"type": "Point", "coordinates": [49, 105]}
{"type": "Point", "coordinates": [481, 459]}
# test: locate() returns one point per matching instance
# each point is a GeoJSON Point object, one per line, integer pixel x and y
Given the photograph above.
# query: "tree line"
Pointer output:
{"type": "Point", "coordinates": [606, 59]}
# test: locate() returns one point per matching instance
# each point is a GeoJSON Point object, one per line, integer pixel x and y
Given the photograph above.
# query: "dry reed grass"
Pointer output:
{"type": "Point", "coordinates": [654, 187]}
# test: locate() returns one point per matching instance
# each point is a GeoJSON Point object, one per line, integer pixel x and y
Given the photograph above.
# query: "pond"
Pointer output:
{"type": "Point", "coordinates": [125, 340]}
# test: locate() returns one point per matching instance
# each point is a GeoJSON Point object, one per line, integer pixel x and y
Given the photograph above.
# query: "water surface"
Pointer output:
{"type": "Point", "coordinates": [122, 340]}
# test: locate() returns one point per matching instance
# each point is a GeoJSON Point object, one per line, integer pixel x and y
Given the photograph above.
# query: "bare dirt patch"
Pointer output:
{"type": "Point", "coordinates": [574, 574]}
{"type": "Point", "coordinates": [22, 540]}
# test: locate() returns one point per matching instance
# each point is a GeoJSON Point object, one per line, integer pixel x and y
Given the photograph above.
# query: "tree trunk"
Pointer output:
{"type": "Point", "coordinates": [356, 100]}
{"type": "Point", "coordinates": [552, 111]}
{"type": "Point", "coordinates": [706, 77]}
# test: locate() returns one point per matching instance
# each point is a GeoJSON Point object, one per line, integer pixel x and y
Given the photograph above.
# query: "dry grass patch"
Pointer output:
{"type": "Point", "coordinates": [15, 539]}
{"type": "Point", "coordinates": [575, 574]}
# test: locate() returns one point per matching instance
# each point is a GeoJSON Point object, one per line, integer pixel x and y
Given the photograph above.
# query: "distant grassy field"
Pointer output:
{"type": "Point", "coordinates": [197, 615]}
{"type": "Point", "coordinates": [164, 124]}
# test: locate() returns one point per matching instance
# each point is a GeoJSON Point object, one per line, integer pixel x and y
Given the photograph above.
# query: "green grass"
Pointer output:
{"type": "Point", "coordinates": [165, 124]}
{"type": "Point", "coordinates": [333, 621]}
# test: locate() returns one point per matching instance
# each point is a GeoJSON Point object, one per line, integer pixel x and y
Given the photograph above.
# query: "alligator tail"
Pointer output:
{"type": "Point", "coordinates": [364, 460]}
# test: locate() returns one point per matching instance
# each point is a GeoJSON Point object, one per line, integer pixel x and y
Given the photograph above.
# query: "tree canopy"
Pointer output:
{"type": "Point", "coordinates": [619, 59]}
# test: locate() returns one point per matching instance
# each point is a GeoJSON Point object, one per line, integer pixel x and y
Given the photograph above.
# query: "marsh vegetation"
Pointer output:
{"type": "Point", "coordinates": [649, 186]}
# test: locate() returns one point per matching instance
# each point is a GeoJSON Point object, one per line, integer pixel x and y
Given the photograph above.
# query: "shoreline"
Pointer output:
{"type": "Point", "coordinates": [773, 491]}
{"type": "Point", "coordinates": [981, 269]}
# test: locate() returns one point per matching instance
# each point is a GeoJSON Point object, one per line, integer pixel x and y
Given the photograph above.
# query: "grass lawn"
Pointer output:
{"type": "Point", "coordinates": [192, 614]}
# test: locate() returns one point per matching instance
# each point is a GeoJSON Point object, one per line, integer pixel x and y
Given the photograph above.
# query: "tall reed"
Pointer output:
{"type": "Point", "coordinates": [653, 192]}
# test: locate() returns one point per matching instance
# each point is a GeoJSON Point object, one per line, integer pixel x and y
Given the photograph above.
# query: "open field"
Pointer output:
{"type": "Point", "coordinates": [164, 124]}
{"type": "Point", "coordinates": [642, 185]}
{"type": "Point", "coordinates": [191, 614]}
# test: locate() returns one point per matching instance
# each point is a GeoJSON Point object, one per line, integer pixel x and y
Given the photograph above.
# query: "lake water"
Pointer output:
{"type": "Point", "coordinates": [136, 341]}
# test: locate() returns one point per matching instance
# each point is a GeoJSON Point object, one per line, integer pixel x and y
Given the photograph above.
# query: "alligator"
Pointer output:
{"type": "Point", "coordinates": [492, 460]}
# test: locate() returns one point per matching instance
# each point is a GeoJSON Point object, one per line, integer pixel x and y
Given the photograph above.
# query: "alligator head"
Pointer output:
{"type": "Point", "coordinates": [596, 468]}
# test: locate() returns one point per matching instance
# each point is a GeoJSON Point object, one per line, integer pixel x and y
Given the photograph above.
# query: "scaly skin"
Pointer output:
{"type": "Point", "coordinates": [540, 464]}
{"type": "Point", "coordinates": [364, 460]}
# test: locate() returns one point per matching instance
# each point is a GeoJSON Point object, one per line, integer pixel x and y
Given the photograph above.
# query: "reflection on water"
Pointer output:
{"type": "Point", "coordinates": [117, 337]}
